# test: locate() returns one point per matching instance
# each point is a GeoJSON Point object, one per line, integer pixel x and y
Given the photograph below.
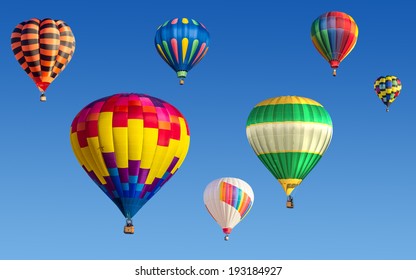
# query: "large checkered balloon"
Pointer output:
{"type": "Point", "coordinates": [130, 145]}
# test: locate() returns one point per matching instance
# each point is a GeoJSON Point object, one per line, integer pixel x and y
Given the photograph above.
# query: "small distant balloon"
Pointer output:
{"type": "Point", "coordinates": [387, 89]}
{"type": "Point", "coordinates": [228, 200]}
{"type": "Point", "coordinates": [43, 48]}
{"type": "Point", "coordinates": [334, 35]}
{"type": "Point", "coordinates": [182, 43]}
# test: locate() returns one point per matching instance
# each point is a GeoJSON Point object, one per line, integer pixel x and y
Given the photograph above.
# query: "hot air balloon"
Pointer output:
{"type": "Point", "coordinates": [43, 48]}
{"type": "Point", "coordinates": [289, 134]}
{"type": "Point", "coordinates": [387, 89]}
{"type": "Point", "coordinates": [228, 200]}
{"type": "Point", "coordinates": [334, 35]}
{"type": "Point", "coordinates": [130, 145]}
{"type": "Point", "coordinates": [182, 43]}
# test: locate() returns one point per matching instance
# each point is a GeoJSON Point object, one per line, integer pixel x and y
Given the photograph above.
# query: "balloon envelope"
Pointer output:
{"type": "Point", "coordinates": [228, 200]}
{"type": "Point", "coordinates": [130, 145]}
{"type": "Point", "coordinates": [289, 134]}
{"type": "Point", "coordinates": [43, 48]}
{"type": "Point", "coordinates": [182, 43]}
{"type": "Point", "coordinates": [334, 35]}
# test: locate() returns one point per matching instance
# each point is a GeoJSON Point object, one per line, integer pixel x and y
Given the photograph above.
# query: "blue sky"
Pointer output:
{"type": "Point", "coordinates": [358, 202]}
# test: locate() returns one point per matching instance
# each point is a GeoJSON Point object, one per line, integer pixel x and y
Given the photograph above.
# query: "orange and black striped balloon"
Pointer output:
{"type": "Point", "coordinates": [43, 48]}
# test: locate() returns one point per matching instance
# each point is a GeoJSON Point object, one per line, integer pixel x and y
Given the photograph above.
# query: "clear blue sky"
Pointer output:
{"type": "Point", "coordinates": [358, 202]}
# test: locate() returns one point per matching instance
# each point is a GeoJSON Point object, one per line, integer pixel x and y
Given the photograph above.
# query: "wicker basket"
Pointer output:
{"type": "Point", "coordinates": [129, 229]}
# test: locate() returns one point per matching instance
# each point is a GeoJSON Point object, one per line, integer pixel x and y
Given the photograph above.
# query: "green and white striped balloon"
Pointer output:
{"type": "Point", "coordinates": [289, 134]}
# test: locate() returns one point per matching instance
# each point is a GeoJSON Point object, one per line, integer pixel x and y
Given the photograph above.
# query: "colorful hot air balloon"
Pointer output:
{"type": "Point", "coordinates": [182, 43]}
{"type": "Point", "coordinates": [334, 35]}
{"type": "Point", "coordinates": [130, 145]}
{"type": "Point", "coordinates": [43, 48]}
{"type": "Point", "coordinates": [387, 89]}
{"type": "Point", "coordinates": [228, 201]}
{"type": "Point", "coordinates": [289, 134]}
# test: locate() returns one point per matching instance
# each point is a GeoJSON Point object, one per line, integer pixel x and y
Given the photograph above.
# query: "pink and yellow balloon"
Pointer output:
{"type": "Point", "coordinates": [130, 145]}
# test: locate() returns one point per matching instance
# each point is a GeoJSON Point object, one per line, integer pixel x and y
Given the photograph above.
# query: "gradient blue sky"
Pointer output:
{"type": "Point", "coordinates": [358, 202]}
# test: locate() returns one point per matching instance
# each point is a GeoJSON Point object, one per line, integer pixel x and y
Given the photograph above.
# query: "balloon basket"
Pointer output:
{"type": "Point", "coordinates": [289, 204]}
{"type": "Point", "coordinates": [129, 229]}
{"type": "Point", "coordinates": [181, 75]}
{"type": "Point", "coordinates": [43, 97]}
